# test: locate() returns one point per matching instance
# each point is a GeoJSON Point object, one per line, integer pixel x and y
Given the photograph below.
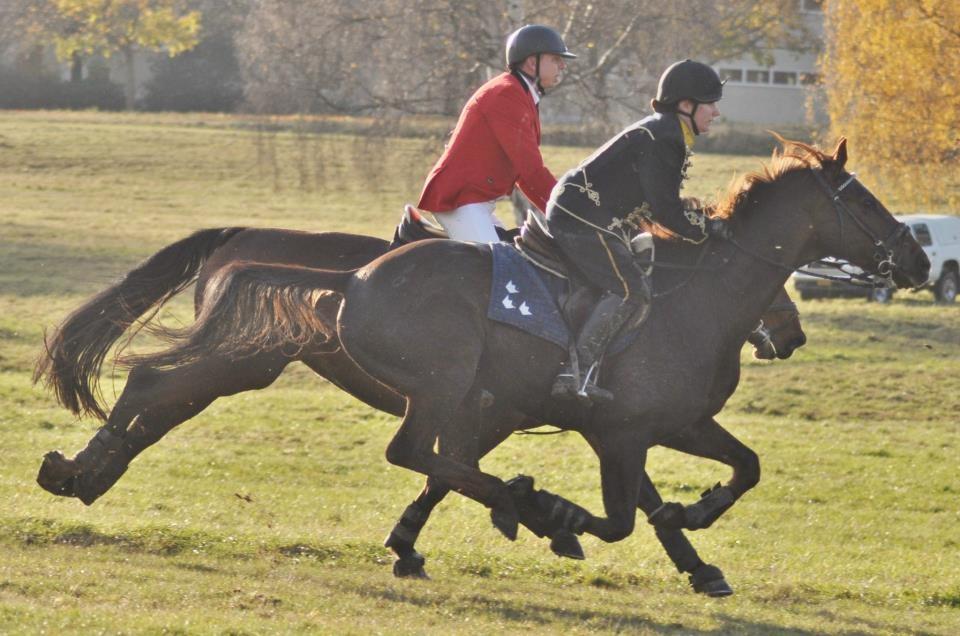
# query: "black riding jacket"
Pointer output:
{"type": "Point", "coordinates": [635, 176]}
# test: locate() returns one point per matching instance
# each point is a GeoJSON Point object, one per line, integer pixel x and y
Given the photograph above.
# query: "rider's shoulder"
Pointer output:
{"type": "Point", "coordinates": [658, 127]}
{"type": "Point", "coordinates": [503, 87]}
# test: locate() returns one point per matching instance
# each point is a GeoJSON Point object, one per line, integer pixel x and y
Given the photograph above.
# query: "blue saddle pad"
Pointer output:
{"type": "Point", "coordinates": [520, 296]}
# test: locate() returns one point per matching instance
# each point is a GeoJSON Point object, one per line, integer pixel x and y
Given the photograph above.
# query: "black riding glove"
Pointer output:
{"type": "Point", "coordinates": [719, 228]}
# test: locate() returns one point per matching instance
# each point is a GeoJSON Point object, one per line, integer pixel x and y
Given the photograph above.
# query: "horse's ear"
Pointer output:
{"type": "Point", "coordinates": [840, 154]}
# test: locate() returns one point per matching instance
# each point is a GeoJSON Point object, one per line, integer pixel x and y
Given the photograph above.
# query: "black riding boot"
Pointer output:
{"type": "Point", "coordinates": [577, 377]}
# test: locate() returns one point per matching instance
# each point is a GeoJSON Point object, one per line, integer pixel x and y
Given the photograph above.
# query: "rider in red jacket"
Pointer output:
{"type": "Point", "coordinates": [496, 144]}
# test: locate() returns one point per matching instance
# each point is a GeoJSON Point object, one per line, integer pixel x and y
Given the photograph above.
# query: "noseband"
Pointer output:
{"type": "Point", "coordinates": [883, 248]}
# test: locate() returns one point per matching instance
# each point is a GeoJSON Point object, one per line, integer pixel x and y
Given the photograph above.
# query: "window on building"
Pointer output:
{"type": "Point", "coordinates": [758, 77]}
{"type": "Point", "coordinates": [922, 233]}
{"type": "Point", "coordinates": [808, 79]}
{"type": "Point", "coordinates": [785, 77]}
{"type": "Point", "coordinates": [731, 74]}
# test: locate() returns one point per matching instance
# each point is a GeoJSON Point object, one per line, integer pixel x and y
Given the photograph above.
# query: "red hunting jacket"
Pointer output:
{"type": "Point", "coordinates": [495, 146]}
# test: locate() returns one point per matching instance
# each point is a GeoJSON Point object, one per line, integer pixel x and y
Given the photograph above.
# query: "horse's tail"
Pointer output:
{"type": "Point", "coordinates": [251, 308]}
{"type": "Point", "coordinates": [74, 353]}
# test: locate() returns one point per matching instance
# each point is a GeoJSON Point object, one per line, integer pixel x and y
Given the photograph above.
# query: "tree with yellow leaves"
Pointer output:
{"type": "Point", "coordinates": [106, 27]}
{"type": "Point", "coordinates": [891, 73]}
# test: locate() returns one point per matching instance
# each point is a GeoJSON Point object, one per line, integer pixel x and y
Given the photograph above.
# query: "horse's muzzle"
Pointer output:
{"type": "Point", "coordinates": [913, 268]}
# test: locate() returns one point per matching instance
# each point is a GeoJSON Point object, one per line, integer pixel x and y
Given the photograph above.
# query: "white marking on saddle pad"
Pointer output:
{"type": "Point", "coordinates": [511, 288]}
{"type": "Point", "coordinates": [524, 310]}
{"type": "Point", "coordinates": [507, 302]}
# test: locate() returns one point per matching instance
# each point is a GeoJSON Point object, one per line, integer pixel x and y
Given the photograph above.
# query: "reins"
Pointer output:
{"type": "Point", "coordinates": [693, 269]}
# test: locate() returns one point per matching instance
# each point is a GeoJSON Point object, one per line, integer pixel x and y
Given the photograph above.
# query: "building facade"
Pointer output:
{"type": "Point", "coordinates": [787, 91]}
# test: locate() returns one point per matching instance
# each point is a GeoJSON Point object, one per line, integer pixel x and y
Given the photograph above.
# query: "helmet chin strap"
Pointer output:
{"type": "Point", "coordinates": [540, 88]}
{"type": "Point", "coordinates": [536, 77]}
{"type": "Point", "coordinates": [692, 116]}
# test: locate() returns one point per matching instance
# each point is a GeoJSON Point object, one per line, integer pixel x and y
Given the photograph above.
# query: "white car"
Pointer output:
{"type": "Point", "coordinates": [938, 234]}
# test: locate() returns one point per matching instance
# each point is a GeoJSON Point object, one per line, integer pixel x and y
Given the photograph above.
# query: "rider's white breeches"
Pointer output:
{"type": "Point", "coordinates": [471, 222]}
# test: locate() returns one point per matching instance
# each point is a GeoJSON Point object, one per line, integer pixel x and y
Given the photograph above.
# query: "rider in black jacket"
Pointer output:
{"type": "Point", "coordinates": [632, 182]}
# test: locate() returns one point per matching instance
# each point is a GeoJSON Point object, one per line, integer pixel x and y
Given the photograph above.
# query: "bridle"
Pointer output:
{"type": "Point", "coordinates": [883, 248]}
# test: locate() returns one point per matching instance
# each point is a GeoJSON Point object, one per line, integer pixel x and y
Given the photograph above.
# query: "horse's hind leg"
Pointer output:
{"type": "Point", "coordinates": [706, 579]}
{"type": "Point", "coordinates": [402, 539]}
{"type": "Point", "coordinates": [404, 535]}
{"type": "Point", "coordinates": [708, 439]}
{"type": "Point", "coordinates": [459, 420]}
{"type": "Point", "coordinates": [152, 403]}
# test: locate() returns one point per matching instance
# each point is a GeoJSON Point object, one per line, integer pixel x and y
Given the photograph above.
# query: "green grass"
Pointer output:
{"type": "Point", "coordinates": [265, 513]}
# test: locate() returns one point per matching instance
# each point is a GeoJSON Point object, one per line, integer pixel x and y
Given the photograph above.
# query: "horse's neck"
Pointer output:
{"type": "Point", "coordinates": [733, 288]}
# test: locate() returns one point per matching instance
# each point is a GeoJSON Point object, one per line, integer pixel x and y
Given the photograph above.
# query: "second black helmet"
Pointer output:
{"type": "Point", "coordinates": [534, 39]}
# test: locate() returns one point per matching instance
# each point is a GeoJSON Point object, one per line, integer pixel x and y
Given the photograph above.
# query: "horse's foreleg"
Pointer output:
{"type": "Point", "coordinates": [710, 440]}
{"type": "Point", "coordinates": [705, 578]}
{"type": "Point", "coordinates": [152, 403]}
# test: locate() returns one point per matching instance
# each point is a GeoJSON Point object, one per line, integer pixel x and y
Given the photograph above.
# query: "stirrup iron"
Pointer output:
{"type": "Point", "coordinates": [589, 391]}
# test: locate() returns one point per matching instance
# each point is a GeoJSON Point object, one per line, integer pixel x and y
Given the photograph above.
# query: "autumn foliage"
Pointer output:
{"type": "Point", "coordinates": [106, 27]}
{"type": "Point", "coordinates": [892, 79]}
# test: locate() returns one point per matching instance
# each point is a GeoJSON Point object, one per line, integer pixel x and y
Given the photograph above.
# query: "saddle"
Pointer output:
{"type": "Point", "coordinates": [578, 297]}
{"type": "Point", "coordinates": [574, 296]}
{"type": "Point", "coordinates": [537, 245]}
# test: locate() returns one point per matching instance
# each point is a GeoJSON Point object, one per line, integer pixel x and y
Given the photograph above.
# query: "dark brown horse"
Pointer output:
{"type": "Point", "coordinates": [402, 316]}
{"type": "Point", "coordinates": [75, 351]}
{"type": "Point", "coordinates": [77, 348]}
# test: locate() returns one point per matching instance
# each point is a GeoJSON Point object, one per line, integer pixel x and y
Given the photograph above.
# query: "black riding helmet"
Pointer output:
{"type": "Point", "coordinates": [691, 80]}
{"type": "Point", "coordinates": [534, 39]}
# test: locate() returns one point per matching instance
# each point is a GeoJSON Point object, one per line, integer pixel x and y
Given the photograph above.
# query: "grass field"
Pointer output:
{"type": "Point", "coordinates": [265, 514]}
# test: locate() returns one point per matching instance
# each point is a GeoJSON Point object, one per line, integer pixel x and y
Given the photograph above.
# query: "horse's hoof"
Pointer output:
{"type": "Point", "coordinates": [716, 589]}
{"type": "Point", "coordinates": [58, 475]}
{"type": "Point", "coordinates": [506, 522]}
{"type": "Point", "coordinates": [410, 567]}
{"type": "Point", "coordinates": [565, 544]}
{"type": "Point", "coordinates": [708, 579]}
